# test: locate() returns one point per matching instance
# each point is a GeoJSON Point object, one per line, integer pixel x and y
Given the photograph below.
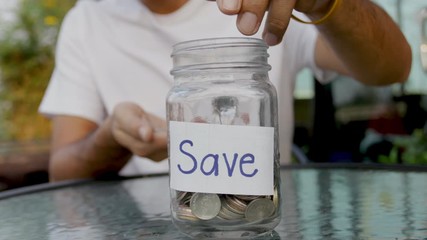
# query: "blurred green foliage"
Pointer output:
{"type": "Point", "coordinates": [26, 63]}
{"type": "Point", "coordinates": [408, 149]}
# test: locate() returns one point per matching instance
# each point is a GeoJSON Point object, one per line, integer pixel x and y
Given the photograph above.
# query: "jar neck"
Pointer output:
{"type": "Point", "coordinates": [222, 75]}
{"type": "Point", "coordinates": [220, 55]}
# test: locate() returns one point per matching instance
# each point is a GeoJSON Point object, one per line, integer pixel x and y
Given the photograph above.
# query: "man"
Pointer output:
{"type": "Point", "coordinates": [106, 96]}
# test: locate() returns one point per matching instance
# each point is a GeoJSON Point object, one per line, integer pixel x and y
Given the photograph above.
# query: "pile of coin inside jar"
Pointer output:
{"type": "Point", "coordinates": [206, 206]}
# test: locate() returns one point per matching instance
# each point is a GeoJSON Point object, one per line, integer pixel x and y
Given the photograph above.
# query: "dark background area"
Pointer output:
{"type": "Point", "coordinates": [362, 130]}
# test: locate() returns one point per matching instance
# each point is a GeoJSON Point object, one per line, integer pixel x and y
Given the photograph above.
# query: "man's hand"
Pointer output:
{"type": "Point", "coordinates": [140, 132]}
{"type": "Point", "coordinates": [84, 149]}
{"type": "Point", "coordinates": [358, 39]}
{"type": "Point", "coordinates": [251, 12]}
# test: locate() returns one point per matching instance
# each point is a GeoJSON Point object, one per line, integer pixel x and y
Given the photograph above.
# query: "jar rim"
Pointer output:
{"type": "Point", "coordinates": [218, 42]}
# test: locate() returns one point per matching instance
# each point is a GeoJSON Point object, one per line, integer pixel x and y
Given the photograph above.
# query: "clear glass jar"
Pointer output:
{"type": "Point", "coordinates": [223, 139]}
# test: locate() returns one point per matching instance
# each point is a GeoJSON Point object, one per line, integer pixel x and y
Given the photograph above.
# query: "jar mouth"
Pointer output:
{"type": "Point", "coordinates": [218, 43]}
{"type": "Point", "coordinates": [220, 53]}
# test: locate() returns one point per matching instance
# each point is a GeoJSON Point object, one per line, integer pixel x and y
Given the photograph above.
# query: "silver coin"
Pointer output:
{"type": "Point", "coordinates": [227, 212]}
{"type": "Point", "coordinates": [186, 199]}
{"type": "Point", "coordinates": [185, 213]}
{"type": "Point", "coordinates": [259, 209]}
{"type": "Point", "coordinates": [248, 197]}
{"type": "Point", "coordinates": [205, 206]}
{"type": "Point", "coordinates": [180, 195]}
{"type": "Point", "coordinates": [236, 205]}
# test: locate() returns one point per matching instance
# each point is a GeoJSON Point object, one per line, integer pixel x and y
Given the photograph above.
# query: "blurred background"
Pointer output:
{"type": "Point", "coordinates": [28, 31]}
{"type": "Point", "coordinates": [345, 121]}
{"type": "Point", "coordinates": [339, 122]}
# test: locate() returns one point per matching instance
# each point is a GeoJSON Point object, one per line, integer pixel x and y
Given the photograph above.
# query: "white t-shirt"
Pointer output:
{"type": "Point", "coordinates": [112, 51]}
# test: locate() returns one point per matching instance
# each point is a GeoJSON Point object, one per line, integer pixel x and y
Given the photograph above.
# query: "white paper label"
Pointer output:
{"type": "Point", "coordinates": [226, 159]}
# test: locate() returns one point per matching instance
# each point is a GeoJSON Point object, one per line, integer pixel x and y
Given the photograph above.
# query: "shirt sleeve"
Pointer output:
{"type": "Point", "coordinates": [72, 89]}
{"type": "Point", "coordinates": [306, 43]}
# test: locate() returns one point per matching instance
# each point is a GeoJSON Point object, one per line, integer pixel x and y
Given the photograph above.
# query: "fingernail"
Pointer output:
{"type": "Point", "coordinates": [270, 39]}
{"type": "Point", "coordinates": [248, 23]}
{"type": "Point", "coordinates": [231, 5]}
{"type": "Point", "coordinates": [143, 133]}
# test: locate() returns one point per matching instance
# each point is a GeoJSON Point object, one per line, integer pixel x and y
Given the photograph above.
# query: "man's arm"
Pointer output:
{"type": "Point", "coordinates": [358, 39]}
{"type": "Point", "coordinates": [82, 149]}
{"type": "Point", "coordinates": [362, 41]}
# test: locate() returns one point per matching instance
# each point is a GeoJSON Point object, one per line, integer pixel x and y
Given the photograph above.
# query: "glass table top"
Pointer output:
{"type": "Point", "coordinates": [317, 203]}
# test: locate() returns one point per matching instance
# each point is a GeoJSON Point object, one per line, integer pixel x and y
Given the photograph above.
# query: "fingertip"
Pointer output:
{"type": "Point", "coordinates": [160, 133]}
{"type": "Point", "coordinates": [248, 23]}
{"type": "Point", "coordinates": [161, 138]}
{"type": "Point", "coordinates": [229, 6]}
{"type": "Point", "coordinates": [271, 39]}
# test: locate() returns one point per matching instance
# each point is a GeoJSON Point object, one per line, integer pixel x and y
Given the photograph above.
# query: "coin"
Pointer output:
{"type": "Point", "coordinates": [180, 195]}
{"type": "Point", "coordinates": [247, 197]}
{"type": "Point", "coordinates": [236, 205]}
{"type": "Point", "coordinates": [259, 209]}
{"type": "Point", "coordinates": [186, 199]}
{"type": "Point", "coordinates": [205, 206]}
{"type": "Point", "coordinates": [276, 198]}
{"type": "Point", "coordinates": [227, 212]}
{"type": "Point", "coordinates": [185, 213]}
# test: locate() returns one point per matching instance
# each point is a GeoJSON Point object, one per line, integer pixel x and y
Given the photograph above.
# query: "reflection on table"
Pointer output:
{"type": "Point", "coordinates": [318, 203]}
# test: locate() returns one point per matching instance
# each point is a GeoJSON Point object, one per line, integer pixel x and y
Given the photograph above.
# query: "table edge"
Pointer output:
{"type": "Point", "coordinates": [360, 166]}
{"type": "Point", "coordinates": [352, 166]}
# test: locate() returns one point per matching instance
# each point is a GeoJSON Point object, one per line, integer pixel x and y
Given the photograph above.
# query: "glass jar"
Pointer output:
{"type": "Point", "coordinates": [223, 139]}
